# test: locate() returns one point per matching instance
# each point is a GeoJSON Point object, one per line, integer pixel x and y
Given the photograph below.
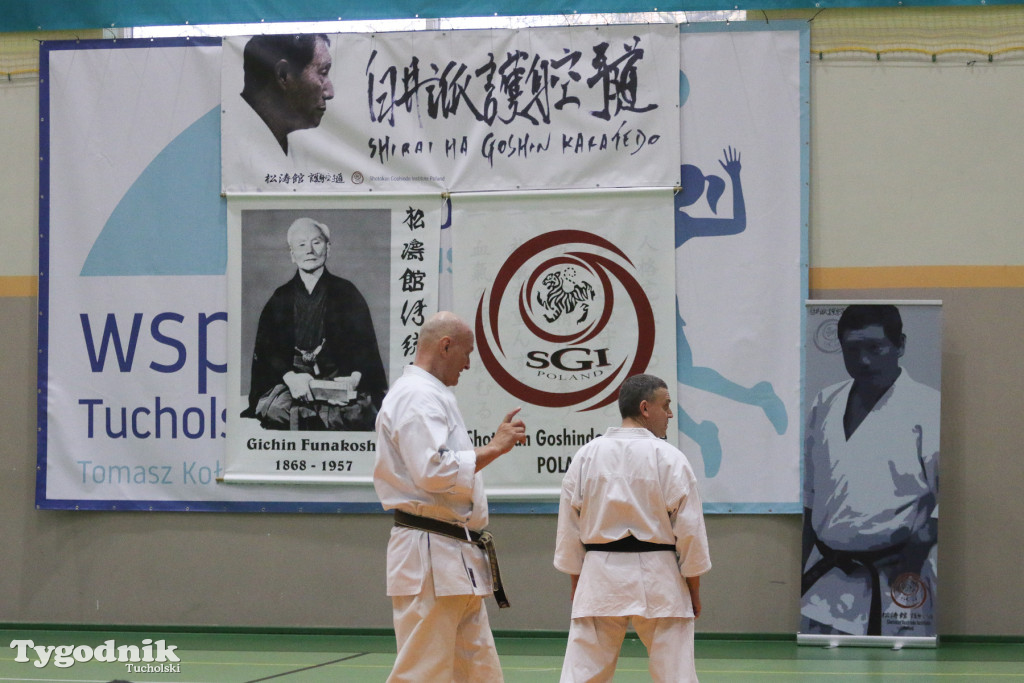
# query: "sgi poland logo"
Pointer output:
{"type": "Point", "coordinates": [565, 321]}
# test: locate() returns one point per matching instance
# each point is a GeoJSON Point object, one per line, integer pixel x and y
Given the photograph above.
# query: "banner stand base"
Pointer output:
{"type": "Point", "coordinates": [893, 642]}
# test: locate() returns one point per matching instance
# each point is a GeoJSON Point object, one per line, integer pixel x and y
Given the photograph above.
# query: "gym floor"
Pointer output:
{"type": "Point", "coordinates": [215, 657]}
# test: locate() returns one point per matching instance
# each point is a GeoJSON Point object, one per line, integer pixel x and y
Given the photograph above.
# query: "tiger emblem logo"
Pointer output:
{"type": "Point", "coordinates": [564, 295]}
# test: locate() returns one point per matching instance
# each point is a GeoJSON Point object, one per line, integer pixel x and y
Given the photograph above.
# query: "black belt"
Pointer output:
{"type": "Point", "coordinates": [629, 544]}
{"type": "Point", "coordinates": [848, 561]}
{"type": "Point", "coordinates": [481, 539]}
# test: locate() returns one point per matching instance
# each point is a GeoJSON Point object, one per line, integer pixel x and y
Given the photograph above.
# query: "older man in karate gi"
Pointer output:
{"type": "Point", "coordinates": [440, 563]}
{"type": "Point", "coordinates": [631, 536]}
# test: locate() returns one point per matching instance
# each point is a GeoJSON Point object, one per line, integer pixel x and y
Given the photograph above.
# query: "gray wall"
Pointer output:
{"type": "Point", "coordinates": [911, 165]}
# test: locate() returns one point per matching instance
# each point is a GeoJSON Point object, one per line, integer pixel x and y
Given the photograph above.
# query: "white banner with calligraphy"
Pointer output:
{"type": "Point", "coordinates": [536, 108]}
{"type": "Point", "coordinates": [330, 295]}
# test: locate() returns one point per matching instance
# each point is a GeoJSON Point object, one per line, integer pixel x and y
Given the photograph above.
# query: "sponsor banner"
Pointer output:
{"type": "Point", "coordinates": [310, 363]}
{"type": "Point", "coordinates": [466, 110]}
{"type": "Point", "coordinates": [566, 294]}
{"type": "Point", "coordinates": [133, 329]}
{"type": "Point", "coordinates": [740, 236]}
{"type": "Point", "coordinates": [871, 464]}
{"type": "Point", "coordinates": [132, 288]}
{"type": "Point", "coordinates": [152, 384]}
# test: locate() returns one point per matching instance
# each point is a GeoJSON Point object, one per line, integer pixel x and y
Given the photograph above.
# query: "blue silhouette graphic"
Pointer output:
{"type": "Point", "coordinates": [695, 185]}
{"type": "Point", "coordinates": [172, 220]}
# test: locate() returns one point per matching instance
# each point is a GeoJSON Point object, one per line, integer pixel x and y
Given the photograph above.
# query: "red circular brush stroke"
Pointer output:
{"type": "Point", "coordinates": [578, 337]}
{"type": "Point", "coordinates": [609, 301]}
{"type": "Point", "coordinates": [642, 308]}
{"type": "Point", "coordinates": [524, 298]}
{"type": "Point", "coordinates": [525, 392]}
{"type": "Point", "coordinates": [644, 320]}
{"type": "Point", "coordinates": [526, 251]}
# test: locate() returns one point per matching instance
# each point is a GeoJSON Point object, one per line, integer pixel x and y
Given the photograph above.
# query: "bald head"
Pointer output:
{"type": "Point", "coordinates": [444, 346]}
{"type": "Point", "coordinates": [441, 324]}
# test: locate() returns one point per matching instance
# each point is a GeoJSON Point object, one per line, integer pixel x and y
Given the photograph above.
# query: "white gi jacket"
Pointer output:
{"type": "Point", "coordinates": [425, 465]}
{"type": "Point", "coordinates": [629, 482]}
{"type": "Point", "coordinates": [870, 492]}
{"type": "Point", "coordinates": [251, 153]}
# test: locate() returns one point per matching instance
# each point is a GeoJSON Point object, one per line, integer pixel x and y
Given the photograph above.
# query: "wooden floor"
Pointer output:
{"type": "Point", "coordinates": [304, 658]}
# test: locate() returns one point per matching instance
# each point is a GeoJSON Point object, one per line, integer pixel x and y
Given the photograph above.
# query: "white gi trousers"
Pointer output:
{"type": "Point", "coordinates": [443, 639]}
{"type": "Point", "coordinates": [594, 644]}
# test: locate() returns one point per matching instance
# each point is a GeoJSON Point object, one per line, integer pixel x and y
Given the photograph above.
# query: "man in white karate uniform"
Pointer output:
{"type": "Point", "coordinates": [631, 536]}
{"type": "Point", "coordinates": [870, 488]}
{"type": "Point", "coordinates": [440, 561]}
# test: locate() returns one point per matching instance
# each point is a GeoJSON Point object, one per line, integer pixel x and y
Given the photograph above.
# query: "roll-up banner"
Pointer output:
{"type": "Point", "coordinates": [870, 475]}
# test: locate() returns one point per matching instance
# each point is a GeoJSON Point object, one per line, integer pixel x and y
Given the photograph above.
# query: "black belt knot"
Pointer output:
{"type": "Point", "coordinates": [848, 561]}
{"type": "Point", "coordinates": [629, 544]}
{"type": "Point", "coordinates": [481, 539]}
